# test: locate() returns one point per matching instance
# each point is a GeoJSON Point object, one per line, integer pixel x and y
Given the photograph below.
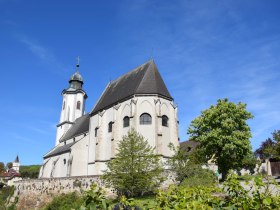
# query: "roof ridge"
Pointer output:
{"type": "Point", "coordinates": [132, 70]}
{"type": "Point", "coordinates": [144, 79]}
{"type": "Point", "coordinates": [143, 75]}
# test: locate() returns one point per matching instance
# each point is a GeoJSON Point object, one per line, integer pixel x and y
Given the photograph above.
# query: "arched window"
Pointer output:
{"type": "Point", "coordinates": [145, 119]}
{"type": "Point", "coordinates": [63, 105]}
{"type": "Point", "coordinates": [164, 121]}
{"type": "Point", "coordinates": [126, 121]}
{"type": "Point", "coordinates": [110, 127]}
{"type": "Point", "coordinates": [96, 132]}
{"type": "Point", "coordinates": [78, 105]}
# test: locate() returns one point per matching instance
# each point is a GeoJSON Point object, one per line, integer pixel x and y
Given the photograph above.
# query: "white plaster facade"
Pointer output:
{"type": "Point", "coordinates": [16, 164]}
{"type": "Point", "coordinates": [82, 152]}
{"type": "Point", "coordinates": [105, 143]}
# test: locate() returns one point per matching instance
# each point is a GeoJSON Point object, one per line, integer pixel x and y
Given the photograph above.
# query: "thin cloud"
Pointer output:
{"type": "Point", "coordinates": [42, 52]}
{"type": "Point", "coordinates": [37, 49]}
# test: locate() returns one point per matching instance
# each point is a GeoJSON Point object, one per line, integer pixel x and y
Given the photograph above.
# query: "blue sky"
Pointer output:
{"type": "Point", "coordinates": [204, 49]}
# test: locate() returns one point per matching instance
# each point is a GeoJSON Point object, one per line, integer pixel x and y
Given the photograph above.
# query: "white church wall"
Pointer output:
{"type": "Point", "coordinates": [59, 133]}
{"type": "Point", "coordinates": [46, 168]}
{"type": "Point", "coordinates": [69, 112]}
{"type": "Point", "coordinates": [60, 165]}
{"type": "Point", "coordinates": [169, 133]}
{"type": "Point", "coordinates": [54, 166]}
{"type": "Point", "coordinates": [80, 153]}
{"type": "Point", "coordinates": [125, 112]}
{"type": "Point", "coordinates": [105, 144]}
{"type": "Point", "coordinates": [146, 105]}
{"type": "Point", "coordinates": [78, 112]}
{"type": "Point", "coordinates": [94, 124]}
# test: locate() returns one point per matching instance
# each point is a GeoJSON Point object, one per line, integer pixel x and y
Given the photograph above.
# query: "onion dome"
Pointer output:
{"type": "Point", "coordinates": [76, 80]}
{"type": "Point", "coordinates": [76, 77]}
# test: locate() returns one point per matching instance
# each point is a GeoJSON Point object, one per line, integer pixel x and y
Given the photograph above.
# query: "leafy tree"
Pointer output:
{"type": "Point", "coordinates": [249, 163]}
{"type": "Point", "coordinates": [135, 170]}
{"type": "Point", "coordinates": [31, 171]}
{"type": "Point", "coordinates": [185, 164]}
{"type": "Point", "coordinates": [266, 149]}
{"type": "Point", "coordinates": [276, 138]}
{"type": "Point", "coordinates": [9, 165]}
{"type": "Point", "coordinates": [2, 167]}
{"type": "Point", "coordinates": [270, 148]}
{"type": "Point", "coordinates": [223, 134]}
{"type": "Point", "coordinates": [179, 163]}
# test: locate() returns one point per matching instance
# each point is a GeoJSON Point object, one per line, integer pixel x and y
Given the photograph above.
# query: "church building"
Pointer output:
{"type": "Point", "coordinates": [84, 142]}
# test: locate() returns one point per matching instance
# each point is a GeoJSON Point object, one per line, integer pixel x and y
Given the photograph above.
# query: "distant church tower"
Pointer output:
{"type": "Point", "coordinates": [16, 164]}
{"type": "Point", "coordinates": [73, 104]}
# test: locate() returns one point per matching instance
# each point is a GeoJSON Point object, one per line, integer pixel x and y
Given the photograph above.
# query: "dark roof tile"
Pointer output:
{"type": "Point", "coordinates": [60, 150]}
{"type": "Point", "coordinates": [80, 126]}
{"type": "Point", "coordinates": [144, 79]}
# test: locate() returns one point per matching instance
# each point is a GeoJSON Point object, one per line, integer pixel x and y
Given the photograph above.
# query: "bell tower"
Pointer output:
{"type": "Point", "coordinates": [73, 103]}
{"type": "Point", "coordinates": [16, 164]}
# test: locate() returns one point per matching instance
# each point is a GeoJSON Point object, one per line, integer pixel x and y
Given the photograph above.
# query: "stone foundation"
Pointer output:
{"type": "Point", "coordinates": [35, 193]}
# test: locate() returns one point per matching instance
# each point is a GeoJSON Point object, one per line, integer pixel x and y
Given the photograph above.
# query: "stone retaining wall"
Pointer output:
{"type": "Point", "coordinates": [35, 193]}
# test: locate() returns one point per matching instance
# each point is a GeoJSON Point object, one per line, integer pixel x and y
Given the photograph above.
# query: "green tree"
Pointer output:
{"type": "Point", "coordinates": [249, 163]}
{"type": "Point", "coordinates": [266, 150]}
{"type": "Point", "coordinates": [2, 167]}
{"type": "Point", "coordinates": [135, 170]}
{"type": "Point", "coordinates": [9, 165]}
{"type": "Point", "coordinates": [223, 134]}
{"type": "Point", "coordinates": [276, 138]}
{"type": "Point", "coordinates": [270, 148]}
{"type": "Point", "coordinates": [31, 171]}
{"type": "Point", "coordinates": [187, 166]}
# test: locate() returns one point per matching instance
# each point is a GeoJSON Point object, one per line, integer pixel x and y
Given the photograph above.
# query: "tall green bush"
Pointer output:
{"type": "Point", "coordinates": [31, 171]}
{"type": "Point", "coordinates": [136, 169]}
{"type": "Point", "coordinates": [258, 196]}
{"type": "Point", "coordinates": [65, 202]}
{"type": "Point", "coordinates": [200, 177]}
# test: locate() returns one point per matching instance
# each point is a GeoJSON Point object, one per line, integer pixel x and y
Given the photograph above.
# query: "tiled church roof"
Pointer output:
{"type": "Point", "coordinates": [80, 126]}
{"type": "Point", "coordinates": [59, 150]}
{"type": "Point", "coordinates": [144, 79]}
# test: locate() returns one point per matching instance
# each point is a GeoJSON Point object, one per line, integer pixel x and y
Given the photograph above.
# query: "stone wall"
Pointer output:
{"type": "Point", "coordinates": [35, 193]}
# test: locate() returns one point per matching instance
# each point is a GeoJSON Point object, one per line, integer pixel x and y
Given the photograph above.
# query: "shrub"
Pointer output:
{"type": "Point", "coordinates": [188, 198]}
{"type": "Point", "coordinates": [65, 202]}
{"type": "Point", "coordinates": [259, 195]}
{"type": "Point", "coordinates": [200, 177]}
{"type": "Point", "coordinates": [31, 171]}
{"type": "Point", "coordinates": [5, 193]}
{"type": "Point", "coordinates": [232, 196]}
{"type": "Point", "coordinates": [95, 199]}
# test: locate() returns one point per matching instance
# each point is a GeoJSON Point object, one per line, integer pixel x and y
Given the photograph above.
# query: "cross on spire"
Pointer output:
{"type": "Point", "coordinates": [78, 63]}
{"type": "Point", "coordinates": [78, 60]}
